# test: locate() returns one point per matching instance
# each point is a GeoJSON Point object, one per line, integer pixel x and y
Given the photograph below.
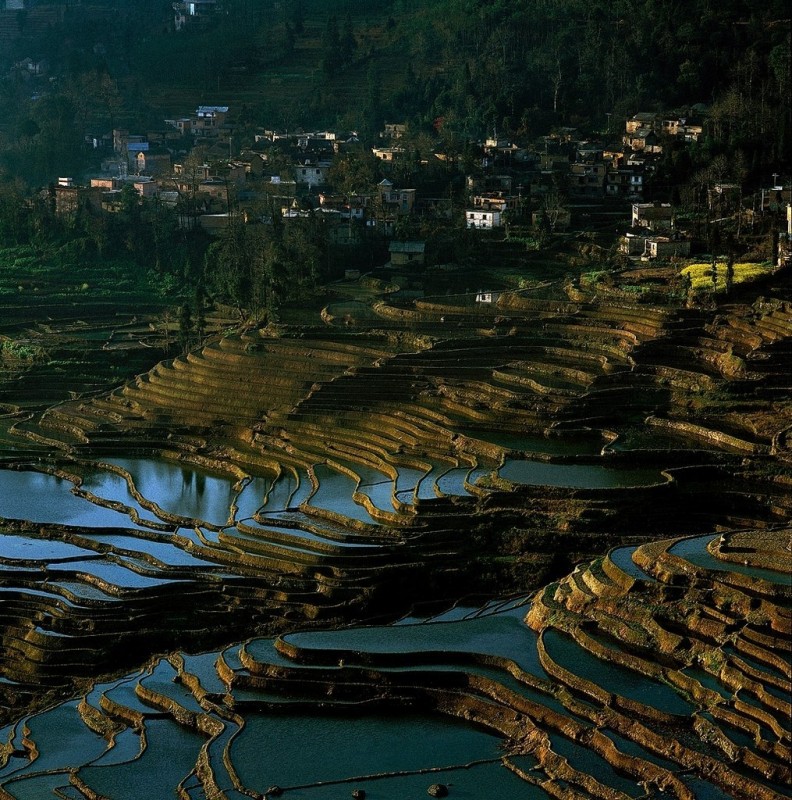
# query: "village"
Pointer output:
{"type": "Point", "coordinates": [650, 185]}
{"type": "Point", "coordinates": [607, 183]}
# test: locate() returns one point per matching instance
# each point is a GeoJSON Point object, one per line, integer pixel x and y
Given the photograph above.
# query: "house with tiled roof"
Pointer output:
{"type": "Point", "coordinates": [407, 254]}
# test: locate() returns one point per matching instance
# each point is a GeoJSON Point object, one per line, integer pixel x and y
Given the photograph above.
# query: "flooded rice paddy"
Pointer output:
{"type": "Point", "coordinates": [387, 709]}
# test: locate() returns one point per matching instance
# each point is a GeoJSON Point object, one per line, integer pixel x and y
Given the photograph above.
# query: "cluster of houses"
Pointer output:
{"type": "Point", "coordinates": [582, 169]}
{"type": "Point", "coordinates": [282, 173]}
{"type": "Point", "coordinates": [191, 164]}
{"type": "Point", "coordinates": [648, 132]}
{"type": "Point", "coordinates": [653, 233]}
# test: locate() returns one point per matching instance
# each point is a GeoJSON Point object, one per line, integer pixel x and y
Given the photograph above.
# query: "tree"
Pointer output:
{"type": "Point", "coordinates": [130, 222]}
{"type": "Point", "coordinates": [160, 225]}
{"type": "Point", "coordinates": [199, 303]}
{"type": "Point", "coordinates": [15, 227]}
{"type": "Point", "coordinates": [228, 265]}
{"type": "Point", "coordinates": [354, 171]}
{"type": "Point", "coordinates": [347, 43]}
{"type": "Point", "coordinates": [304, 250]}
{"type": "Point", "coordinates": [331, 47]}
{"type": "Point", "coordinates": [192, 172]}
{"type": "Point", "coordinates": [553, 208]}
{"type": "Point", "coordinates": [186, 328]}
{"type": "Point", "coordinates": [166, 323]}
{"type": "Point", "coordinates": [29, 128]}
{"type": "Point", "coordinates": [296, 12]}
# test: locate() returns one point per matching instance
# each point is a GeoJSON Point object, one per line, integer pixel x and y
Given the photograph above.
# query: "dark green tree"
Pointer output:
{"type": "Point", "coordinates": [331, 48]}
{"type": "Point", "coordinates": [186, 327]}
{"type": "Point", "coordinates": [296, 16]}
{"type": "Point", "coordinates": [347, 42]}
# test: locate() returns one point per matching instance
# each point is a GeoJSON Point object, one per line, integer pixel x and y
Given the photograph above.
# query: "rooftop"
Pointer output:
{"type": "Point", "coordinates": [407, 247]}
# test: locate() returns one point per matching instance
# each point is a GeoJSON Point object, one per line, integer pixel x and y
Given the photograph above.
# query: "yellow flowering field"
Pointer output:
{"type": "Point", "coordinates": [744, 272]}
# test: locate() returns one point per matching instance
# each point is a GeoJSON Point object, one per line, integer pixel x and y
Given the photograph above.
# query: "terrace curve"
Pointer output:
{"type": "Point", "coordinates": [684, 689]}
{"type": "Point", "coordinates": [378, 457]}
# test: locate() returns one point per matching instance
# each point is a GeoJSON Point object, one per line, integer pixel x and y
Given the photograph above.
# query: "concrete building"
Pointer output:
{"type": "Point", "coordinates": [407, 254]}
{"type": "Point", "coordinates": [484, 219]}
{"type": "Point", "coordinates": [652, 215]}
{"type": "Point", "coordinates": [666, 247]}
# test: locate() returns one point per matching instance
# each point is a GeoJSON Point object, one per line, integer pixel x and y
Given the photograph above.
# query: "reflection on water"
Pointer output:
{"type": "Point", "coordinates": [695, 551]}
{"type": "Point", "coordinates": [38, 497]}
{"type": "Point", "coordinates": [110, 486]}
{"type": "Point", "coordinates": [334, 493]}
{"type": "Point", "coordinates": [24, 548]}
{"type": "Point", "coordinates": [504, 635]}
{"type": "Point", "coordinates": [590, 762]}
{"type": "Point", "coordinates": [169, 756]}
{"type": "Point", "coordinates": [567, 653]}
{"type": "Point", "coordinates": [302, 749]}
{"type": "Point", "coordinates": [182, 490]}
{"type": "Point", "coordinates": [622, 558]}
{"type": "Point", "coordinates": [577, 476]}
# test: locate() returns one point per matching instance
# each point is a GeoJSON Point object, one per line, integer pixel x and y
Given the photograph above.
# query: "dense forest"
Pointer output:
{"type": "Point", "coordinates": [454, 68]}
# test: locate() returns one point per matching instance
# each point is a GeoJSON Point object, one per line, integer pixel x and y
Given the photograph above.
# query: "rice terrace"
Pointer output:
{"type": "Point", "coordinates": [395, 400]}
{"type": "Point", "coordinates": [618, 472]}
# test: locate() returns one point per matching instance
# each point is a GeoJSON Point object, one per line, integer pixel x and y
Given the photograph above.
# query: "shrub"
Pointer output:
{"type": "Point", "coordinates": [20, 351]}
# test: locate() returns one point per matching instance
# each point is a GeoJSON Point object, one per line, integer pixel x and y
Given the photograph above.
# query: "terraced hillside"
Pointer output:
{"type": "Point", "coordinates": [318, 475]}
{"type": "Point", "coordinates": [659, 670]}
{"type": "Point", "coordinates": [70, 327]}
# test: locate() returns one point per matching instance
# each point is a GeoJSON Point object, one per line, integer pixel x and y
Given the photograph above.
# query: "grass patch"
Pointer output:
{"type": "Point", "coordinates": [57, 274]}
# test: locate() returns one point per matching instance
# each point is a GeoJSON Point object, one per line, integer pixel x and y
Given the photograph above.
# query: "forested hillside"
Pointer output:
{"type": "Point", "coordinates": [465, 67]}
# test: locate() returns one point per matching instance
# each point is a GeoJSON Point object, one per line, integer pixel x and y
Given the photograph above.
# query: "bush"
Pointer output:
{"type": "Point", "coordinates": [19, 351]}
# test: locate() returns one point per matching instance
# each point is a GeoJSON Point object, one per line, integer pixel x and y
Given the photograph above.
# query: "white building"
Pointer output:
{"type": "Point", "coordinates": [666, 247]}
{"type": "Point", "coordinates": [486, 219]}
{"type": "Point", "coordinates": [312, 174]}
